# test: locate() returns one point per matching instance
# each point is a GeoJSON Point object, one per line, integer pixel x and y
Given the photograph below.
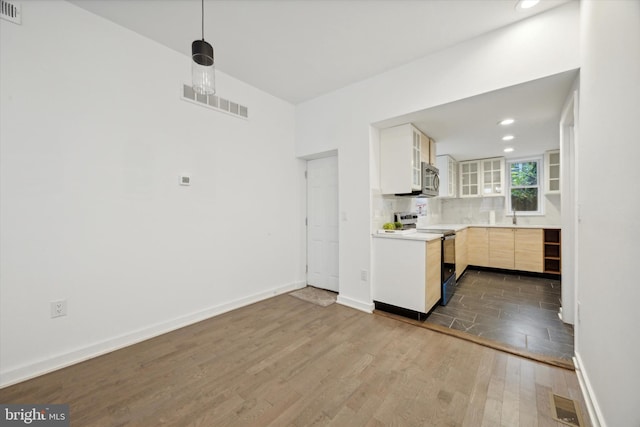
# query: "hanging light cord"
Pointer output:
{"type": "Point", "coordinates": [202, 19]}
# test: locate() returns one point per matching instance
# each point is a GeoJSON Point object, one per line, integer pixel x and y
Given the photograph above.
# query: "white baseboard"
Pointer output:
{"type": "Point", "coordinates": [595, 414]}
{"type": "Point", "coordinates": [63, 360]}
{"type": "Point", "coordinates": [358, 305]}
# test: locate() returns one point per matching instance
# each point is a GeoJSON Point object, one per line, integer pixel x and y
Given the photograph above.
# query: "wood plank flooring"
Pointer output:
{"type": "Point", "coordinates": [287, 362]}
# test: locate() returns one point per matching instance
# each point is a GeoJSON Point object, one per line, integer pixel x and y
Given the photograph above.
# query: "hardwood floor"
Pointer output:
{"type": "Point", "coordinates": [285, 361]}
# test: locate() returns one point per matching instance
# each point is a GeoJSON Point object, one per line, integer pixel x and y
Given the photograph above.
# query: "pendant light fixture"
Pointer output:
{"type": "Point", "coordinates": [202, 66]}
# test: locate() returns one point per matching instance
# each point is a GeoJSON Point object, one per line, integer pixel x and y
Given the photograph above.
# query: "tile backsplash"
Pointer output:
{"type": "Point", "coordinates": [475, 210]}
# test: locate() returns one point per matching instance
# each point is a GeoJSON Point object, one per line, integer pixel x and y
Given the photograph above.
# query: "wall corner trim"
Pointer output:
{"type": "Point", "coordinates": [595, 414]}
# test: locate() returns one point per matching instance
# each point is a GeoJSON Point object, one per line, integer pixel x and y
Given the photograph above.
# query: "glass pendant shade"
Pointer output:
{"type": "Point", "coordinates": [203, 68]}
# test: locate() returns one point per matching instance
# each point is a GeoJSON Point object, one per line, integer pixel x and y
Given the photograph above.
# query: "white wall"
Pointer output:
{"type": "Point", "coordinates": [477, 211]}
{"type": "Point", "coordinates": [531, 49]}
{"type": "Point", "coordinates": [471, 210]}
{"type": "Point", "coordinates": [93, 138]}
{"type": "Point", "coordinates": [608, 343]}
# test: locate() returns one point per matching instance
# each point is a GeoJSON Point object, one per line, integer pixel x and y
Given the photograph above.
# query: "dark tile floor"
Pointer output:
{"type": "Point", "coordinates": [519, 311]}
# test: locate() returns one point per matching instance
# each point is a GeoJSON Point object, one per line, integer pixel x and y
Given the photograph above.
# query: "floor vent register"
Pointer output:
{"type": "Point", "coordinates": [565, 411]}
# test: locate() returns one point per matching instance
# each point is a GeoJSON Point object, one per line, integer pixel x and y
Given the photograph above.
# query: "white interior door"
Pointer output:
{"type": "Point", "coordinates": [322, 223]}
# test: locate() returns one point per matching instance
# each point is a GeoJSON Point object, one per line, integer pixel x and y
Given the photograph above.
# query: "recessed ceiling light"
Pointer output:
{"type": "Point", "coordinates": [508, 150]}
{"type": "Point", "coordinates": [526, 4]}
{"type": "Point", "coordinates": [506, 122]}
{"type": "Point", "coordinates": [508, 137]}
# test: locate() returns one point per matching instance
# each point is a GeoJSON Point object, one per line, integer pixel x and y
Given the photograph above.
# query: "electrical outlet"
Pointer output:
{"type": "Point", "coordinates": [58, 308]}
{"type": "Point", "coordinates": [364, 275]}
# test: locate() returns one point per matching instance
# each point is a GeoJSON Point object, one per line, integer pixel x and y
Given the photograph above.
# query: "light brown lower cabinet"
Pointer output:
{"type": "Point", "coordinates": [478, 246]}
{"type": "Point", "coordinates": [433, 263]}
{"type": "Point", "coordinates": [508, 248]}
{"type": "Point", "coordinates": [529, 249]}
{"type": "Point", "coordinates": [461, 252]}
{"type": "Point", "coordinates": [501, 248]}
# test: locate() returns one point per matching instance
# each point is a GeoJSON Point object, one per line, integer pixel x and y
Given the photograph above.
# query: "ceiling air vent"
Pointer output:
{"type": "Point", "coordinates": [214, 102]}
{"type": "Point", "coordinates": [10, 11]}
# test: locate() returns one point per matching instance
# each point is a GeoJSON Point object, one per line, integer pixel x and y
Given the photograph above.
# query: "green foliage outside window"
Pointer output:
{"type": "Point", "coordinates": [524, 186]}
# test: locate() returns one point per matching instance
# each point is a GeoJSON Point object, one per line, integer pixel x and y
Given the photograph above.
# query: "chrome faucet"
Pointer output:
{"type": "Point", "coordinates": [514, 219]}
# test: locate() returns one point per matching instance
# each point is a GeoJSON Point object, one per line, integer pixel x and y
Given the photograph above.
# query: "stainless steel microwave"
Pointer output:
{"type": "Point", "coordinates": [430, 180]}
{"type": "Point", "coordinates": [430, 183]}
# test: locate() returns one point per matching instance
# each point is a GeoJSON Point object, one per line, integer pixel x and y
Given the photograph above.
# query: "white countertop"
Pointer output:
{"type": "Point", "coordinates": [427, 237]}
{"type": "Point", "coordinates": [458, 227]}
{"type": "Point", "coordinates": [411, 235]}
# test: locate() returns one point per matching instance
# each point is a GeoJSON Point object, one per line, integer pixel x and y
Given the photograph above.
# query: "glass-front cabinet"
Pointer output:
{"type": "Point", "coordinates": [483, 177]}
{"type": "Point", "coordinates": [469, 178]}
{"type": "Point", "coordinates": [552, 162]}
{"type": "Point", "coordinates": [416, 168]}
{"type": "Point", "coordinates": [493, 177]}
{"type": "Point", "coordinates": [448, 169]}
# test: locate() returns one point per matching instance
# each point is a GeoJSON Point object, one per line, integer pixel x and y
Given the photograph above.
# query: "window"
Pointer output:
{"type": "Point", "coordinates": [525, 196]}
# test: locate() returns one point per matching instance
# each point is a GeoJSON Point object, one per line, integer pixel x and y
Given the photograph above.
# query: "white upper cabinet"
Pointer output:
{"type": "Point", "coordinates": [448, 173]}
{"type": "Point", "coordinates": [402, 151]}
{"type": "Point", "coordinates": [469, 174]}
{"type": "Point", "coordinates": [484, 177]}
{"type": "Point", "coordinates": [552, 171]}
{"type": "Point", "coordinates": [493, 176]}
{"type": "Point", "coordinates": [416, 161]}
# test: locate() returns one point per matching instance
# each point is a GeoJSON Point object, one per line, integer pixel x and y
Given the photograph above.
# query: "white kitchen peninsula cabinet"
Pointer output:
{"type": "Point", "coordinates": [406, 273]}
{"type": "Point", "coordinates": [402, 151]}
{"type": "Point", "coordinates": [448, 172]}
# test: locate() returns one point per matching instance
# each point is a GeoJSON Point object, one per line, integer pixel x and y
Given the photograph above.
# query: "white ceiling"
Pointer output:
{"type": "Point", "coordinates": [299, 49]}
{"type": "Point", "coordinates": [468, 129]}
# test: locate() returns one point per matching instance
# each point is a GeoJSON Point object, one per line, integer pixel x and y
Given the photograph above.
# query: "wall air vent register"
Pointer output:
{"type": "Point", "coordinates": [215, 102]}
{"type": "Point", "coordinates": [10, 11]}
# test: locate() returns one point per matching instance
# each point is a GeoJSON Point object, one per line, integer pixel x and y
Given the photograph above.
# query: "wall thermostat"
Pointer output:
{"type": "Point", "coordinates": [185, 180]}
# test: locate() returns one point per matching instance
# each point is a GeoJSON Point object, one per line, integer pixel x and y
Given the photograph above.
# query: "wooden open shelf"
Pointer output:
{"type": "Point", "coordinates": [552, 251]}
